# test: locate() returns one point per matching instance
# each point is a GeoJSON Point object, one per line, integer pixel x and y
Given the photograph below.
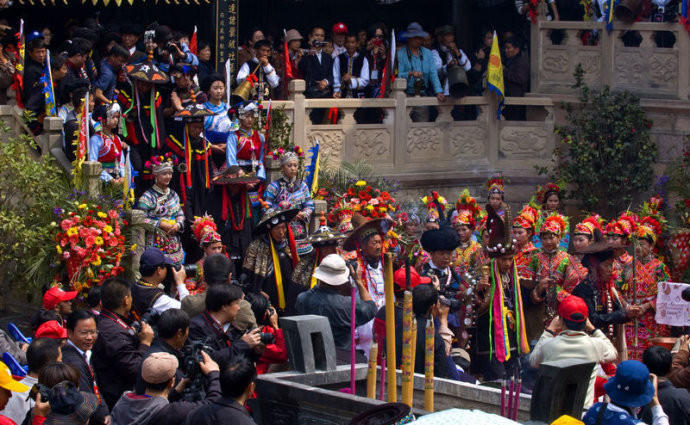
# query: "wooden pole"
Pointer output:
{"type": "Point", "coordinates": [429, 366]}
{"type": "Point", "coordinates": [406, 361]}
{"type": "Point", "coordinates": [390, 329]}
{"type": "Point", "coordinates": [371, 371]}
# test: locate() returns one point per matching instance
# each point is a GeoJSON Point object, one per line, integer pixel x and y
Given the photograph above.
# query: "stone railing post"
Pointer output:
{"type": "Point", "coordinates": [401, 121]}
{"type": "Point", "coordinates": [299, 117]}
{"type": "Point", "coordinates": [683, 41]}
{"type": "Point", "coordinates": [92, 177]}
{"type": "Point", "coordinates": [51, 141]}
{"type": "Point", "coordinates": [493, 127]}
{"type": "Point", "coordinates": [320, 206]}
{"type": "Point", "coordinates": [138, 237]}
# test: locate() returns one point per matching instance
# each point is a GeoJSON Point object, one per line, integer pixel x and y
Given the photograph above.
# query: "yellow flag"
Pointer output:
{"type": "Point", "coordinates": [494, 74]}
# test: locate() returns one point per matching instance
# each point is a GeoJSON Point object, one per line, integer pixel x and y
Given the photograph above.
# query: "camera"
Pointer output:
{"type": "Point", "coordinates": [189, 269]}
{"type": "Point", "coordinates": [267, 338]}
{"type": "Point", "coordinates": [150, 317]}
{"type": "Point", "coordinates": [452, 303]}
{"type": "Point", "coordinates": [191, 357]}
{"type": "Point", "coordinates": [40, 389]}
{"type": "Point", "coordinates": [317, 43]}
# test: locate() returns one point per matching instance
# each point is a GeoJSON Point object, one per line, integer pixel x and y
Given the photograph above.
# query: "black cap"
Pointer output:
{"type": "Point", "coordinates": [154, 257]}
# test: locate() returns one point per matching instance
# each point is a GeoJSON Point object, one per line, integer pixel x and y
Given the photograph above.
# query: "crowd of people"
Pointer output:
{"type": "Point", "coordinates": [228, 253]}
{"type": "Point", "coordinates": [505, 293]}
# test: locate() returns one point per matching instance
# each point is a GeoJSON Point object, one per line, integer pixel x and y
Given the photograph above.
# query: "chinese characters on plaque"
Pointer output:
{"type": "Point", "coordinates": [226, 33]}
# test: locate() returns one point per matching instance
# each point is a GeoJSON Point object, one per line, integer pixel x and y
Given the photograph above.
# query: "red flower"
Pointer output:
{"type": "Point", "coordinates": [687, 202]}
{"type": "Point", "coordinates": [364, 195]}
{"type": "Point", "coordinates": [385, 196]}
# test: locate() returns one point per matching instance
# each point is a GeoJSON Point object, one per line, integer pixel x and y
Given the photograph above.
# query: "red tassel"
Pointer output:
{"type": "Point", "coordinates": [226, 203]}
{"type": "Point", "coordinates": [208, 177]}
{"type": "Point", "coordinates": [183, 190]}
{"type": "Point", "coordinates": [293, 246]}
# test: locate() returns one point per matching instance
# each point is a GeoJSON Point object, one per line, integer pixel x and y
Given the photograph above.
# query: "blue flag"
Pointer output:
{"type": "Point", "coordinates": [312, 170]}
{"type": "Point", "coordinates": [48, 89]}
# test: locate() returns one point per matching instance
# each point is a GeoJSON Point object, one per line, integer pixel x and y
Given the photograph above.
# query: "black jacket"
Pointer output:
{"type": "Point", "coordinates": [116, 357]}
{"type": "Point", "coordinates": [32, 93]}
{"type": "Point", "coordinates": [225, 411]}
{"type": "Point", "coordinates": [674, 401]}
{"type": "Point", "coordinates": [597, 314]}
{"type": "Point", "coordinates": [224, 349]}
{"type": "Point", "coordinates": [71, 356]}
{"type": "Point", "coordinates": [176, 412]}
{"type": "Point", "coordinates": [314, 71]}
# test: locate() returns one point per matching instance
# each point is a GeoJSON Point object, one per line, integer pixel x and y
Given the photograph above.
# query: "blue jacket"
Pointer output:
{"type": "Point", "coordinates": [424, 62]}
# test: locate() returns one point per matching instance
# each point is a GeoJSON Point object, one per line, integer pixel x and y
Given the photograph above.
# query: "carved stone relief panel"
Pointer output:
{"type": "Point", "coordinates": [424, 143]}
{"type": "Point", "coordinates": [556, 65]}
{"type": "Point", "coordinates": [527, 142]}
{"type": "Point", "coordinates": [468, 142]}
{"type": "Point", "coordinates": [663, 70]}
{"type": "Point", "coordinates": [331, 142]}
{"type": "Point", "coordinates": [372, 145]}
{"type": "Point", "coordinates": [629, 68]}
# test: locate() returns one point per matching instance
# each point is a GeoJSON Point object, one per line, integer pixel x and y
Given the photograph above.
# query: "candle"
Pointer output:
{"type": "Point", "coordinates": [429, 366]}
{"type": "Point", "coordinates": [503, 397]}
{"type": "Point", "coordinates": [390, 329]}
{"type": "Point", "coordinates": [353, 346]}
{"type": "Point", "coordinates": [371, 372]}
{"type": "Point", "coordinates": [516, 404]}
{"type": "Point", "coordinates": [406, 361]}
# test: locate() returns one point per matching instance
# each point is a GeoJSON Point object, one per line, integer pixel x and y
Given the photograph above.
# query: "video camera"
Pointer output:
{"type": "Point", "coordinates": [191, 357]}
{"type": "Point", "coordinates": [447, 298]}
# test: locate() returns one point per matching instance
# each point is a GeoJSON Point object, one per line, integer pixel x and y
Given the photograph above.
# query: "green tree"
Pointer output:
{"type": "Point", "coordinates": [605, 154]}
{"type": "Point", "coordinates": [29, 191]}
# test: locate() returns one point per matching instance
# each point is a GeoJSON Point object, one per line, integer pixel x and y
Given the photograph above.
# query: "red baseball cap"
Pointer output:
{"type": "Point", "coordinates": [55, 296]}
{"type": "Point", "coordinates": [415, 279]}
{"type": "Point", "coordinates": [573, 309]}
{"type": "Point", "coordinates": [51, 329]}
{"type": "Point", "coordinates": [339, 28]}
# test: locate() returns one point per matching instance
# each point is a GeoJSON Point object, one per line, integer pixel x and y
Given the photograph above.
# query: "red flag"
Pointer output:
{"type": "Point", "coordinates": [288, 64]}
{"type": "Point", "coordinates": [384, 78]}
{"type": "Point", "coordinates": [83, 140]}
{"type": "Point", "coordinates": [193, 42]}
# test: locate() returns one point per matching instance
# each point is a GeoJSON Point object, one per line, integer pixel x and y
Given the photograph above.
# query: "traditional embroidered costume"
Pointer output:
{"type": "Point", "coordinates": [107, 148]}
{"type": "Point", "coordinates": [468, 256]}
{"type": "Point", "coordinates": [163, 205]}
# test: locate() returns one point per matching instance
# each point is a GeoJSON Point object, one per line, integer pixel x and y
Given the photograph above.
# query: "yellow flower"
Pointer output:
{"type": "Point", "coordinates": [370, 208]}
{"type": "Point", "coordinates": [108, 228]}
{"type": "Point", "coordinates": [98, 240]}
{"type": "Point", "coordinates": [133, 247]}
{"type": "Point", "coordinates": [58, 249]}
{"type": "Point", "coordinates": [72, 231]}
{"type": "Point", "coordinates": [82, 206]}
{"type": "Point", "coordinates": [101, 214]}
{"type": "Point", "coordinates": [361, 183]}
{"type": "Point", "coordinates": [441, 199]}
{"type": "Point", "coordinates": [97, 262]}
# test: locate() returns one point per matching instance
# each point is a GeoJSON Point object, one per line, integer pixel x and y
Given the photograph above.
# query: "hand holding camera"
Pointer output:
{"type": "Point", "coordinates": [146, 333]}
{"type": "Point", "coordinates": [208, 365]}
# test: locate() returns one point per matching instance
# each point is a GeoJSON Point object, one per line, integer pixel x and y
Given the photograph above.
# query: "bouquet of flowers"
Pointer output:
{"type": "Point", "coordinates": [90, 244]}
{"type": "Point", "coordinates": [277, 153]}
{"type": "Point", "coordinates": [370, 202]}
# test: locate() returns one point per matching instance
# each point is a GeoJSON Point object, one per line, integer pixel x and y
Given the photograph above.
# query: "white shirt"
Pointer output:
{"type": "Point", "coordinates": [18, 405]}
{"type": "Point", "coordinates": [355, 82]}
{"type": "Point", "coordinates": [165, 302]}
{"type": "Point", "coordinates": [575, 345]}
{"type": "Point", "coordinates": [337, 51]}
{"type": "Point", "coordinates": [271, 74]}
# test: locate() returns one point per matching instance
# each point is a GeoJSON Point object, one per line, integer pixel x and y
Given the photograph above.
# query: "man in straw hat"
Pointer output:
{"type": "Point", "coordinates": [325, 242]}
{"type": "Point", "coordinates": [367, 240]}
{"type": "Point", "coordinates": [331, 298]}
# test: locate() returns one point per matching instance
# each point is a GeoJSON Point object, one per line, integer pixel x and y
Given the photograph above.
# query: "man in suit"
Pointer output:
{"type": "Point", "coordinates": [317, 70]}
{"type": "Point", "coordinates": [82, 333]}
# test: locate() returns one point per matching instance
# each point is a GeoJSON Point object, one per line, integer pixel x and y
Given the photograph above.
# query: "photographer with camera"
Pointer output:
{"type": "Point", "coordinates": [172, 329]}
{"type": "Point", "coordinates": [211, 326]}
{"type": "Point", "coordinates": [152, 407]}
{"type": "Point", "coordinates": [170, 51]}
{"type": "Point", "coordinates": [317, 69]}
{"type": "Point", "coordinates": [149, 294]}
{"type": "Point", "coordinates": [41, 352]}
{"type": "Point", "coordinates": [271, 335]}
{"type": "Point", "coordinates": [119, 349]}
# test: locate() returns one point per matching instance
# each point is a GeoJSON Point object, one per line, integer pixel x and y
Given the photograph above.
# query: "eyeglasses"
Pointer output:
{"type": "Point", "coordinates": [88, 333]}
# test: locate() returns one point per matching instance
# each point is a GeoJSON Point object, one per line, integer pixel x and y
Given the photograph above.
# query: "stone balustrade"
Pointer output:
{"type": "Point", "coordinates": [429, 154]}
{"type": "Point", "coordinates": [646, 70]}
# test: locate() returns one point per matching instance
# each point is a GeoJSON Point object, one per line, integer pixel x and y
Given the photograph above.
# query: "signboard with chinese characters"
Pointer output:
{"type": "Point", "coordinates": [671, 309]}
{"type": "Point", "coordinates": [226, 16]}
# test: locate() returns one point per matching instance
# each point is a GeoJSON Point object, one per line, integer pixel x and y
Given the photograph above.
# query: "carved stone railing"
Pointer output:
{"type": "Point", "coordinates": [646, 70]}
{"type": "Point", "coordinates": [423, 154]}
